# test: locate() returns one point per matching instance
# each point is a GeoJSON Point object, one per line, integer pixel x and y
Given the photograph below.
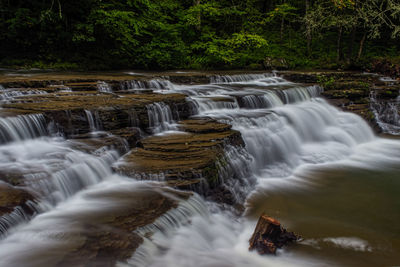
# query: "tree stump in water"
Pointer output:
{"type": "Point", "coordinates": [269, 236]}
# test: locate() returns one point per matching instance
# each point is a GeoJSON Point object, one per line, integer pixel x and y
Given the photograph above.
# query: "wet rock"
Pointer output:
{"type": "Point", "coordinates": [107, 237]}
{"type": "Point", "coordinates": [13, 197]}
{"type": "Point", "coordinates": [350, 94]}
{"type": "Point", "coordinates": [120, 140]}
{"type": "Point", "coordinates": [188, 160]}
{"type": "Point", "coordinates": [269, 236]}
{"type": "Point", "coordinates": [68, 111]}
{"type": "Point", "coordinates": [298, 77]}
{"type": "Point", "coordinates": [82, 86]}
{"type": "Point", "coordinates": [386, 67]}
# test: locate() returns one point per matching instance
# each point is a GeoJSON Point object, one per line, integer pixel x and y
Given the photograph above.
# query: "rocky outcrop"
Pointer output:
{"type": "Point", "coordinates": [190, 160]}
{"type": "Point", "coordinates": [13, 197]}
{"type": "Point", "coordinates": [68, 111]}
{"type": "Point", "coordinates": [385, 67]}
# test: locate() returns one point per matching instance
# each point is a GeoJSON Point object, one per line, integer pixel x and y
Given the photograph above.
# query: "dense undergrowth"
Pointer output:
{"type": "Point", "coordinates": [198, 34]}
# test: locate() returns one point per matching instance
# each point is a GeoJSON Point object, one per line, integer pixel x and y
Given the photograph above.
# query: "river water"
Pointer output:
{"type": "Point", "coordinates": [320, 171]}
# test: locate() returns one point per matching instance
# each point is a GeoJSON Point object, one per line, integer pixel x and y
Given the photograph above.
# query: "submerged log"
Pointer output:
{"type": "Point", "coordinates": [269, 235]}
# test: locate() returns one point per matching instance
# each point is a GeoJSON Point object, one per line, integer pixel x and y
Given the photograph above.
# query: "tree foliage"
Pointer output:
{"type": "Point", "coordinates": [165, 34]}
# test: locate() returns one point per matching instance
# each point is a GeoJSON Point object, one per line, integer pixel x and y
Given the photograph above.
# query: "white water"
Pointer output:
{"type": "Point", "coordinates": [284, 135]}
{"type": "Point", "coordinates": [52, 171]}
{"type": "Point", "coordinates": [9, 94]}
{"type": "Point", "coordinates": [154, 84]}
{"type": "Point", "coordinates": [104, 87]}
{"type": "Point", "coordinates": [93, 120]}
{"type": "Point", "coordinates": [22, 127]}
{"type": "Point", "coordinates": [160, 118]}
{"type": "Point", "coordinates": [387, 114]}
{"type": "Point", "coordinates": [288, 130]}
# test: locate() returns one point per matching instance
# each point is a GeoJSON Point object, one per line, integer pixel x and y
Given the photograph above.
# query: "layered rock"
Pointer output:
{"type": "Point", "coordinates": [68, 111]}
{"type": "Point", "coordinates": [192, 159]}
{"type": "Point", "coordinates": [13, 197]}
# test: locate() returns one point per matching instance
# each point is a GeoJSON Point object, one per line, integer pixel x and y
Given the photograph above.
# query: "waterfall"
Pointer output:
{"type": "Point", "coordinates": [93, 120]}
{"type": "Point", "coordinates": [9, 94]}
{"type": "Point", "coordinates": [243, 78]}
{"type": "Point", "coordinates": [387, 114]}
{"type": "Point", "coordinates": [288, 130]}
{"type": "Point", "coordinates": [154, 84]}
{"type": "Point", "coordinates": [104, 87]}
{"type": "Point", "coordinates": [22, 127]}
{"type": "Point", "coordinates": [160, 117]}
{"type": "Point", "coordinates": [53, 171]}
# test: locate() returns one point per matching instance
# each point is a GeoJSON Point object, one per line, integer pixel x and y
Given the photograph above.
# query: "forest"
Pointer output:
{"type": "Point", "coordinates": [198, 34]}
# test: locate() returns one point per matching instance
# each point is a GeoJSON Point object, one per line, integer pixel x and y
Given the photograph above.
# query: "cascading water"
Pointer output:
{"type": "Point", "coordinates": [93, 120]}
{"type": "Point", "coordinates": [154, 84]}
{"type": "Point", "coordinates": [387, 114]}
{"type": "Point", "coordinates": [104, 87]}
{"type": "Point", "coordinates": [160, 117]}
{"type": "Point", "coordinates": [22, 127]}
{"type": "Point", "coordinates": [289, 131]}
{"type": "Point", "coordinates": [9, 94]}
{"type": "Point", "coordinates": [244, 78]}
{"type": "Point", "coordinates": [317, 169]}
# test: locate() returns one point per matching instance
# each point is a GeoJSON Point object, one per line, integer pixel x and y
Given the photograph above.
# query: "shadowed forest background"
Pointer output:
{"type": "Point", "coordinates": [198, 34]}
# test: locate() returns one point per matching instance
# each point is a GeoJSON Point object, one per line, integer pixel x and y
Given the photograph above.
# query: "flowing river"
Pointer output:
{"type": "Point", "coordinates": [320, 171]}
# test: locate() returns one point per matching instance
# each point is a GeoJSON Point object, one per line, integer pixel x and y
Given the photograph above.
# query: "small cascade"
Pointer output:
{"type": "Point", "coordinates": [22, 127]}
{"type": "Point", "coordinates": [104, 87]}
{"type": "Point", "coordinates": [279, 97]}
{"type": "Point", "coordinates": [242, 78]}
{"type": "Point", "coordinates": [11, 93]}
{"type": "Point", "coordinates": [17, 216]}
{"type": "Point", "coordinates": [154, 84]}
{"type": "Point", "coordinates": [211, 103]}
{"type": "Point", "coordinates": [235, 174]}
{"type": "Point", "coordinates": [387, 114]}
{"type": "Point", "coordinates": [81, 170]}
{"type": "Point", "coordinates": [52, 171]}
{"type": "Point", "coordinates": [164, 227]}
{"type": "Point", "coordinates": [93, 120]}
{"type": "Point", "coordinates": [160, 117]}
{"type": "Point", "coordinates": [275, 137]}
{"type": "Point", "coordinates": [268, 100]}
{"type": "Point", "coordinates": [299, 94]}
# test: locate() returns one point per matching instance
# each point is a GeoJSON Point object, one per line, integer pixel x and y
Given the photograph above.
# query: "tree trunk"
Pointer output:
{"type": "Point", "coordinates": [361, 46]}
{"type": "Point", "coordinates": [269, 236]}
{"type": "Point", "coordinates": [282, 28]}
{"type": "Point", "coordinates": [198, 26]}
{"type": "Point", "coordinates": [339, 44]}
{"type": "Point", "coordinates": [351, 45]}
{"type": "Point", "coordinates": [308, 30]}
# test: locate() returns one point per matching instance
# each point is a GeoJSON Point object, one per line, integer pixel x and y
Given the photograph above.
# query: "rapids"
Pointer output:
{"type": "Point", "coordinates": [319, 170]}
